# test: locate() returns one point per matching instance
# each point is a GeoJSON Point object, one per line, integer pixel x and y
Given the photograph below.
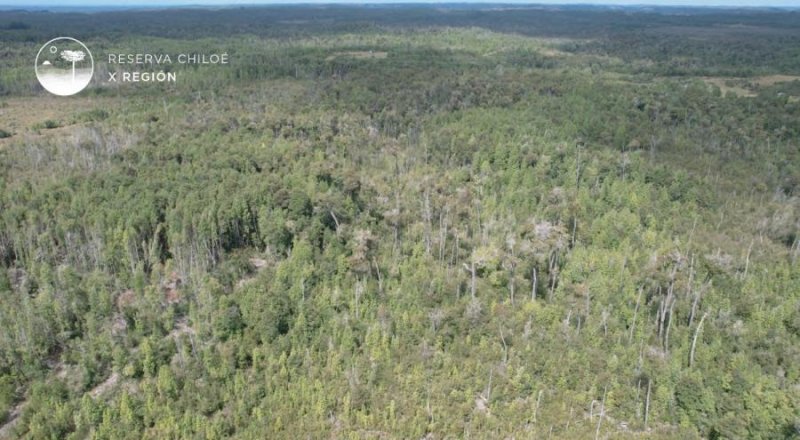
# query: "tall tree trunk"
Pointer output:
{"type": "Point", "coordinates": [694, 340]}
{"type": "Point", "coordinates": [669, 324]}
{"type": "Point", "coordinates": [472, 285]}
{"type": "Point", "coordinates": [602, 413]}
{"type": "Point", "coordinates": [635, 313]}
{"type": "Point", "coordinates": [647, 404]}
{"type": "Point", "coordinates": [511, 285]}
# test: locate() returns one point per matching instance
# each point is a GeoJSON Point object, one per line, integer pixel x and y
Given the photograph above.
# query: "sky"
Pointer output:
{"type": "Point", "coordinates": [123, 3]}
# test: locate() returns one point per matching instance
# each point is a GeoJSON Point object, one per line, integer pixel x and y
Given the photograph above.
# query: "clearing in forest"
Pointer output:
{"type": "Point", "coordinates": [747, 87]}
{"type": "Point", "coordinates": [358, 54]}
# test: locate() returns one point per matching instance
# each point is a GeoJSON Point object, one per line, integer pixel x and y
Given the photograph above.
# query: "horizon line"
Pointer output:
{"type": "Point", "coordinates": [669, 4]}
{"type": "Point", "coordinates": [100, 7]}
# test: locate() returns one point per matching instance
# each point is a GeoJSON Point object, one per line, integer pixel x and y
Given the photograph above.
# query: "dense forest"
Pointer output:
{"type": "Point", "coordinates": [421, 222]}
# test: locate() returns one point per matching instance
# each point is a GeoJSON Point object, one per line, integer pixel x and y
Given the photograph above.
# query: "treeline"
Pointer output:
{"type": "Point", "coordinates": [669, 41]}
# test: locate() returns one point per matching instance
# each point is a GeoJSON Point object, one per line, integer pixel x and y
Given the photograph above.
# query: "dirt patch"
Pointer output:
{"type": "Point", "coordinates": [258, 264]}
{"type": "Point", "coordinates": [729, 85]}
{"type": "Point", "coordinates": [11, 421]}
{"type": "Point", "coordinates": [747, 87]}
{"type": "Point", "coordinates": [105, 386]}
{"type": "Point", "coordinates": [358, 54]}
{"type": "Point", "coordinates": [182, 327]}
{"type": "Point", "coordinates": [771, 80]}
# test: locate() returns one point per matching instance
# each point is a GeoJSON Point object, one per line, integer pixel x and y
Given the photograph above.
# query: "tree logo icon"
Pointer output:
{"type": "Point", "coordinates": [64, 66]}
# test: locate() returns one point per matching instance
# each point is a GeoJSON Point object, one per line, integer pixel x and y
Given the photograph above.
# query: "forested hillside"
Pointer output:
{"type": "Point", "coordinates": [397, 222]}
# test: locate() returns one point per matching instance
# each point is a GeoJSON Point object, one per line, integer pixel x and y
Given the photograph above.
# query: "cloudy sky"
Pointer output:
{"type": "Point", "coordinates": [123, 3]}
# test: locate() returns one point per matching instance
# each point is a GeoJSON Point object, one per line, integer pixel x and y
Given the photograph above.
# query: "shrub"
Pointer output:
{"type": "Point", "coordinates": [92, 115]}
{"type": "Point", "coordinates": [48, 124]}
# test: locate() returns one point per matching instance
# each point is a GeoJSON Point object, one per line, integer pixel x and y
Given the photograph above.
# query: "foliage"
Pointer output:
{"type": "Point", "coordinates": [480, 234]}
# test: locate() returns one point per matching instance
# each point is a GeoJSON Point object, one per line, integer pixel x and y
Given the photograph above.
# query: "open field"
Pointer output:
{"type": "Point", "coordinates": [749, 87]}
{"type": "Point", "coordinates": [25, 116]}
{"type": "Point", "coordinates": [364, 55]}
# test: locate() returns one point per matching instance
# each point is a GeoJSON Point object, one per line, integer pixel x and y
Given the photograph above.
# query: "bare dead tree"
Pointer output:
{"type": "Point", "coordinates": [635, 313]}
{"type": "Point", "coordinates": [335, 220]}
{"type": "Point", "coordinates": [669, 324]}
{"type": "Point", "coordinates": [442, 233]}
{"type": "Point", "coordinates": [694, 340]}
{"type": "Point", "coordinates": [602, 413]}
{"type": "Point", "coordinates": [647, 404]}
{"type": "Point", "coordinates": [358, 292]}
{"type": "Point", "coordinates": [553, 274]}
{"type": "Point", "coordinates": [510, 264]}
{"type": "Point", "coordinates": [747, 260]}
{"type": "Point", "coordinates": [697, 295]}
{"type": "Point", "coordinates": [427, 216]}
{"type": "Point", "coordinates": [505, 345]}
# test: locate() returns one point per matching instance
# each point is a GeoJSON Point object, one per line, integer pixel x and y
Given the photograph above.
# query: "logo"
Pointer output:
{"type": "Point", "coordinates": [64, 66]}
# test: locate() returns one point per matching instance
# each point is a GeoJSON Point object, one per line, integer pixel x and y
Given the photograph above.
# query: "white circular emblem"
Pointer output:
{"type": "Point", "coordinates": [64, 66]}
